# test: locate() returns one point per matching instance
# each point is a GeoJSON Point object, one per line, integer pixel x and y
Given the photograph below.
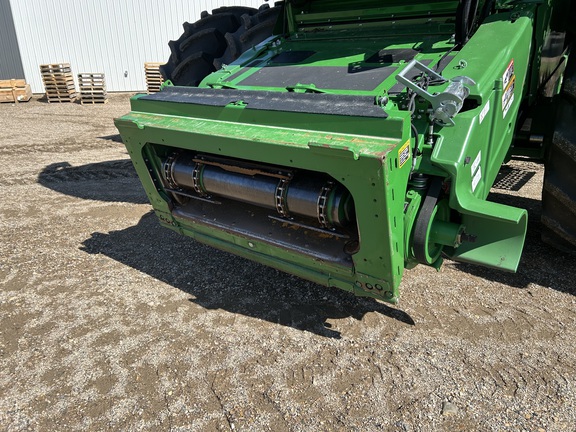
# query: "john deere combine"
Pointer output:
{"type": "Point", "coordinates": [345, 141]}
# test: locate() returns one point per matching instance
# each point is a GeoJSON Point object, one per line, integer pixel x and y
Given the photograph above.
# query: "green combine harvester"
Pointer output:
{"type": "Point", "coordinates": [347, 141]}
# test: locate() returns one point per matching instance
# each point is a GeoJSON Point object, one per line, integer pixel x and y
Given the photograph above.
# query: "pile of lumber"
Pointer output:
{"type": "Point", "coordinates": [58, 82]}
{"type": "Point", "coordinates": [92, 88]}
{"type": "Point", "coordinates": [14, 91]}
{"type": "Point", "coordinates": [154, 78]}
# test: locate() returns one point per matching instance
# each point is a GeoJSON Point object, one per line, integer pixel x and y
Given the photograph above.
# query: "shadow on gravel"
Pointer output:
{"type": "Point", "coordinates": [512, 179]}
{"type": "Point", "coordinates": [540, 264]}
{"type": "Point", "coordinates": [218, 280]}
{"type": "Point", "coordinates": [114, 181]}
{"type": "Point", "coordinates": [116, 138]}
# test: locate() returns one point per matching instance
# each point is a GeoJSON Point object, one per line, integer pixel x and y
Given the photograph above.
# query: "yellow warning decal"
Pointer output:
{"type": "Point", "coordinates": [404, 154]}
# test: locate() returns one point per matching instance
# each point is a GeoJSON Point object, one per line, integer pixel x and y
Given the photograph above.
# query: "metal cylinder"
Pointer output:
{"type": "Point", "coordinates": [305, 194]}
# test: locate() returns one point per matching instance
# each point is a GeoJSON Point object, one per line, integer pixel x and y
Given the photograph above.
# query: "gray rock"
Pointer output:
{"type": "Point", "coordinates": [449, 409]}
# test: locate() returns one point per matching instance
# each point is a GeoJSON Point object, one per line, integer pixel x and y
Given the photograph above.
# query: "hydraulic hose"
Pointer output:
{"type": "Point", "coordinates": [465, 18]}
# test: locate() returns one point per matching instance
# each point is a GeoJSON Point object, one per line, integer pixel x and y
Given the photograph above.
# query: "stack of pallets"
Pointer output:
{"type": "Point", "coordinates": [14, 91]}
{"type": "Point", "coordinates": [154, 78]}
{"type": "Point", "coordinates": [92, 88]}
{"type": "Point", "coordinates": [58, 82]}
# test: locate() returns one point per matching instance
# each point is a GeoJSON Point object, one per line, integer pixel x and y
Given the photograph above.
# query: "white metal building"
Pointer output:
{"type": "Point", "coordinates": [115, 37]}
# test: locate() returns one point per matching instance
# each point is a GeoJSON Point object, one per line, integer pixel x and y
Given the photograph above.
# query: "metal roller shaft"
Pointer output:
{"type": "Point", "coordinates": [312, 196]}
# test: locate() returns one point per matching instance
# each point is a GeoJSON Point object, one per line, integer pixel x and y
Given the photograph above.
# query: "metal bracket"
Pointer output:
{"type": "Point", "coordinates": [168, 173]}
{"type": "Point", "coordinates": [445, 105]}
{"type": "Point", "coordinates": [197, 179]}
{"type": "Point", "coordinates": [280, 197]}
{"type": "Point", "coordinates": [322, 205]}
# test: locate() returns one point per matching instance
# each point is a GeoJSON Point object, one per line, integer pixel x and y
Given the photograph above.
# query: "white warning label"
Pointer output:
{"type": "Point", "coordinates": [476, 171]}
{"type": "Point", "coordinates": [404, 154]}
{"type": "Point", "coordinates": [508, 85]}
{"type": "Point", "coordinates": [476, 179]}
{"type": "Point", "coordinates": [508, 74]}
{"type": "Point", "coordinates": [484, 111]}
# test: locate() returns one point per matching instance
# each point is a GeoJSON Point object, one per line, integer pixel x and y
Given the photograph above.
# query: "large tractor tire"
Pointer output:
{"type": "Point", "coordinates": [216, 39]}
{"type": "Point", "coordinates": [559, 191]}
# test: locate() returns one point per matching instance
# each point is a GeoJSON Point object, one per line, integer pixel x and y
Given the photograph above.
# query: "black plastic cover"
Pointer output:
{"type": "Point", "coordinates": [311, 103]}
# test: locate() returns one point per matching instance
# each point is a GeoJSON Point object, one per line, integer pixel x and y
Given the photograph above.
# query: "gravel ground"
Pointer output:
{"type": "Point", "coordinates": [109, 322]}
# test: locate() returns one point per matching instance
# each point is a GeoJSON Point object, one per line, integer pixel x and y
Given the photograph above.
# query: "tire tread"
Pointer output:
{"type": "Point", "coordinates": [216, 39]}
{"type": "Point", "coordinates": [559, 189]}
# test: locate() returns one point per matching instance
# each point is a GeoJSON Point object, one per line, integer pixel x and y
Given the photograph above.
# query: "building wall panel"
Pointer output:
{"type": "Point", "coordinates": [109, 36]}
{"type": "Point", "coordinates": [10, 61]}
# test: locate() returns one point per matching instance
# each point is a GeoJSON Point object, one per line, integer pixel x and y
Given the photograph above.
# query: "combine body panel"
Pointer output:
{"type": "Point", "coordinates": [356, 140]}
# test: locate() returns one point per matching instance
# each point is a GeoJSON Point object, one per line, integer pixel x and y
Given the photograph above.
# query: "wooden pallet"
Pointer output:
{"type": "Point", "coordinates": [64, 88]}
{"type": "Point", "coordinates": [154, 78]}
{"type": "Point", "coordinates": [53, 70]}
{"type": "Point", "coordinates": [93, 100]}
{"type": "Point", "coordinates": [92, 88]}
{"type": "Point", "coordinates": [56, 79]}
{"type": "Point", "coordinates": [58, 82]}
{"type": "Point", "coordinates": [60, 91]}
{"type": "Point", "coordinates": [14, 91]}
{"type": "Point", "coordinates": [59, 97]}
{"type": "Point", "coordinates": [91, 76]}
{"type": "Point", "coordinates": [11, 83]}
{"type": "Point", "coordinates": [54, 67]}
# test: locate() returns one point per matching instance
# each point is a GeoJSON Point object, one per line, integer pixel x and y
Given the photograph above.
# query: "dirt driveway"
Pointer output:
{"type": "Point", "coordinates": [109, 322]}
